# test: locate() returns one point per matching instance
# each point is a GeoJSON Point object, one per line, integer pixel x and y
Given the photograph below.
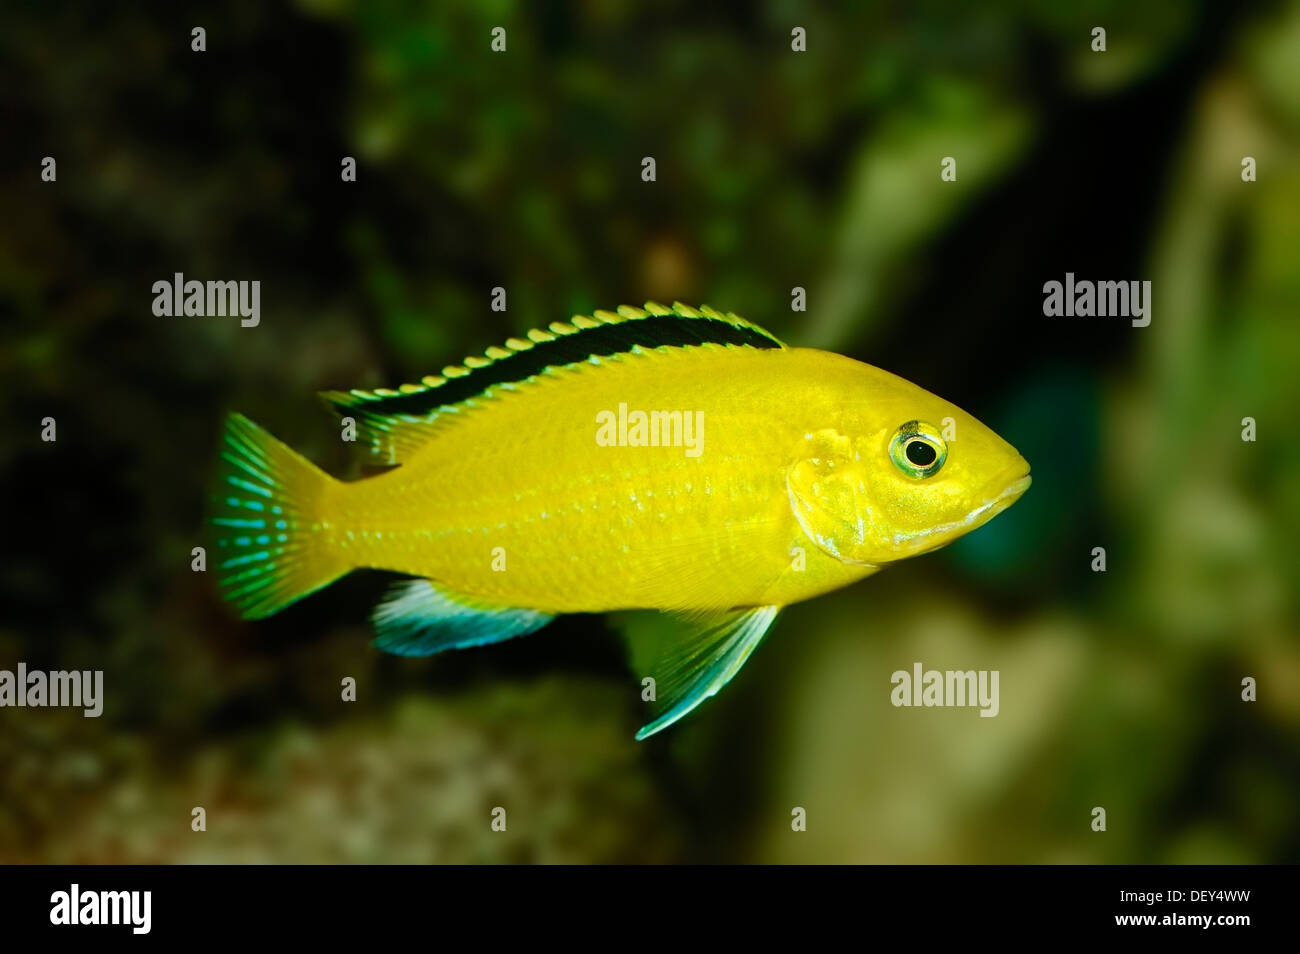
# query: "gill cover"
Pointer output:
{"type": "Point", "coordinates": [830, 496]}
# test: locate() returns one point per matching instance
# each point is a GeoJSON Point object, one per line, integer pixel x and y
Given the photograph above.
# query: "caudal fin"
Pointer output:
{"type": "Point", "coordinates": [267, 498]}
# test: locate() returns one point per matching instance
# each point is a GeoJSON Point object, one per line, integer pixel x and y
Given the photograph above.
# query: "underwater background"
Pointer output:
{"type": "Point", "coordinates": [775, 169]}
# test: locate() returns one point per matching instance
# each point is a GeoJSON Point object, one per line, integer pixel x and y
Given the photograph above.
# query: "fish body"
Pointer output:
{"type": "Point", "coordinates": [668, 459]}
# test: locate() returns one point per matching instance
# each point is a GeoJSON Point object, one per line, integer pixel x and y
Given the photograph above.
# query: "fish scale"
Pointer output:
{"type": "Point", "coordinates": [476, 505]}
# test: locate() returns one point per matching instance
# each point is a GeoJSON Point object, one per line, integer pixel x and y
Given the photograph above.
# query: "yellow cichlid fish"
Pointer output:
{"type": "Point", "coordinates": [662, 458]}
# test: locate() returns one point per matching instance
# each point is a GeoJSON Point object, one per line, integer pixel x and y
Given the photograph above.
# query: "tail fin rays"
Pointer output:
{"type": "Point", "coordinates": [265, 513]}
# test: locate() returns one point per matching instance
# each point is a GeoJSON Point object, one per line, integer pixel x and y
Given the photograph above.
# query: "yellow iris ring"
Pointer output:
{"type": "Point", "coordinates": [910, 458]}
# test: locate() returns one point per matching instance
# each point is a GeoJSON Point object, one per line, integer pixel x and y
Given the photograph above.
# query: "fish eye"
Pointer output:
{"type": "Point", "coordinates": [920, 453]}
{"type": "Point", "coordinates": [918, 450]}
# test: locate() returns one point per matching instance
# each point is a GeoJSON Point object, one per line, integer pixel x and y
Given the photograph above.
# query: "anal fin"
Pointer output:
{"type": "Point", "coordinates": [420, 618]}
{"type": "Point", "coordinates": [701, 659]}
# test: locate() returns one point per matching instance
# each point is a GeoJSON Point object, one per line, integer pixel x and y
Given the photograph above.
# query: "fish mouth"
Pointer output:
{"type": "Point", "coordinates": [990, 508]}
{"type": "Point", "coordinates": [1009, 495]}
{"type": "Point", "coordinates": [1014, 490]}
{"type": "Point", "coordinates": [995, 505]}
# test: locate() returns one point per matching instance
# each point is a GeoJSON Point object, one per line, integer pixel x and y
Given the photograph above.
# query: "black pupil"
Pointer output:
{"type": "Point", "coordinates": [920, 453]}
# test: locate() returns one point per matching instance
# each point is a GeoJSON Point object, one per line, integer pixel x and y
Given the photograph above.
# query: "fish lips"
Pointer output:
{"type": "Point", "coordinates": [1010, 493]}
{"type": "Point", "coordinates": [1012, 488]}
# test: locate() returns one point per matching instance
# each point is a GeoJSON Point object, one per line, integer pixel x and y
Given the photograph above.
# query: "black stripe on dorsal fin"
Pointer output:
{"type": "Point", "coordinates": [603, 333]}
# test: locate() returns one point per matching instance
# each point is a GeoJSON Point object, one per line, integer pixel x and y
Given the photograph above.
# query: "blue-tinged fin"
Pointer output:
{"type": "Point", "coordinates": [420, 618]}
{"type": "Point", "coordinates": [702, 660]}
{"type": "Point", "coordinates": [383, 415]}
{"type": "Point", "coordinates": [263, 517]}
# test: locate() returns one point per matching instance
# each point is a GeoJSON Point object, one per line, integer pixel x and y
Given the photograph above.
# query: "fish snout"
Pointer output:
{"type": "Point", "coordinates": [1014, 482]}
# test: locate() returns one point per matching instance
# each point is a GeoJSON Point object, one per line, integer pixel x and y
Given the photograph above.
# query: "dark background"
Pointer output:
{"type": "Point", "coordinates": [775, 169]}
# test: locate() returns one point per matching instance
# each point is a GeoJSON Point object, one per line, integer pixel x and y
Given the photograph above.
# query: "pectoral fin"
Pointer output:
{"type": "Point", "coordinates": [701, 660]}
{"type": "Point", "coordinates": [420, 618]}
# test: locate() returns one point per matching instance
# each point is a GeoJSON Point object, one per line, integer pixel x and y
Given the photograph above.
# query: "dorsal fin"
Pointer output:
{"type": "Point", "coordinates": [602, 334]}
